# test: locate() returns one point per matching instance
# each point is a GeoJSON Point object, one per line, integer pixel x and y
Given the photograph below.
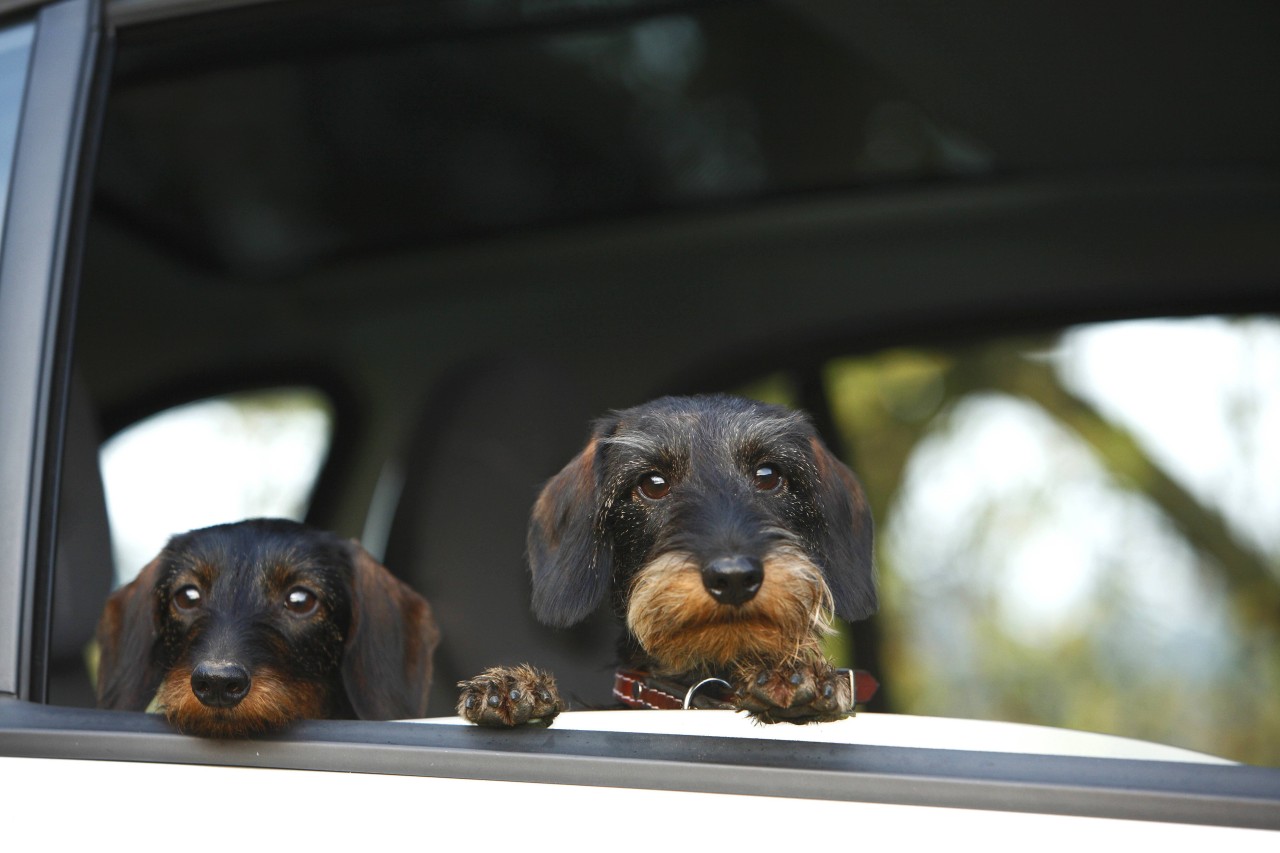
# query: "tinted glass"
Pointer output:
{"type": "Point", "coordinates": [262, 168]}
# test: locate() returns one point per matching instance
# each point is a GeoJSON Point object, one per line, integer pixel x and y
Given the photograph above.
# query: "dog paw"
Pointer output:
{"type": "Point", "coordinates": [810, 691]}
{"type": "Point", "coordinates": [505, 697]}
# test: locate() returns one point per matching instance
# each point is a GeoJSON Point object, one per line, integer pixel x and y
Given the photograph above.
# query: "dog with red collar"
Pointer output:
{"type": "Point", "coordinates": [726, 536]}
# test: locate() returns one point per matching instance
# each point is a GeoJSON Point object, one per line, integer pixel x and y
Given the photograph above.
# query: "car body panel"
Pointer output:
{"type": "Point", "coordinates": [1161, 790]}
{"type": "Point", "coordinates": [279, 809]}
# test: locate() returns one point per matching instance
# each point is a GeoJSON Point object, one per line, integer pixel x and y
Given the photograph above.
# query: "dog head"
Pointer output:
{"type": "Point", "coordinates": [243, 628]}
{"type": "Point", "coordinates": [723, 527]}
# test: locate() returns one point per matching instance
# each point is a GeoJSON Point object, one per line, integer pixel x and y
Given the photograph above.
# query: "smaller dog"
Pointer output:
{"type": "Point", "coordinates": [240, 629]}
{"type": "Point", "coordinates": [725, 535]}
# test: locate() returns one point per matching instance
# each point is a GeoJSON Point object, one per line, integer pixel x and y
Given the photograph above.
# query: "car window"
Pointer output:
{"type": "Point", "coordinates": [252, 454]}
{"type": "Point", "coordinates": [495, 237]}
{"type": "Point", "coordinates": [1074, 528]}
{"type": "Point", "coordinates": [15, 51]}
{"type": "Point", "coordinates": [633, 116]}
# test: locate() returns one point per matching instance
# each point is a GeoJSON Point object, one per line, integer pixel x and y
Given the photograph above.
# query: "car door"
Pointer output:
{"type": "Point", "coordinates": [360, 783]}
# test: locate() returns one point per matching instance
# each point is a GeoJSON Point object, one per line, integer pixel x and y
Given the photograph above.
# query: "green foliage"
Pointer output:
{"type": "Point", "coordinates": [1188, 656]}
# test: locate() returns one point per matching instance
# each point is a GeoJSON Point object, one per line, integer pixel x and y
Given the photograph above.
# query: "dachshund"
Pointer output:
{"type": "Point", "coordinates": [725, 536]}
{"type": "Point", "coordinates": [240, 629]}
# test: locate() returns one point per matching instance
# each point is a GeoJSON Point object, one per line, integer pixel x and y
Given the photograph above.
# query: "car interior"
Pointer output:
{"type": "Point", "coordinates": [471, 228]}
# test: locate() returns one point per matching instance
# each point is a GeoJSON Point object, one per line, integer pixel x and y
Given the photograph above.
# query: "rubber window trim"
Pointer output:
{"type": "Point", "coordinates": [1219, 795]}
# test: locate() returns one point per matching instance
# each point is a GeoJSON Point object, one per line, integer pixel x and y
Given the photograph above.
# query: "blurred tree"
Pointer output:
{"type": "Point", "coordinates": [886, 405]}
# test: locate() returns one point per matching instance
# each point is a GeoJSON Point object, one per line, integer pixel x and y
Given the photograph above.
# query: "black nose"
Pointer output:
{"type": "Point", "coordinates": [733, 580]}
{"type": "Point", "coordinates": [219, 684]}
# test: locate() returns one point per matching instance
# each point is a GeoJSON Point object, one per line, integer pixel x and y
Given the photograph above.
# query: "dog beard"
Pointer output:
{"type": "Point", "coordinates": [271, 704]}
{"type": "Point", "coordinates": [684, 629]}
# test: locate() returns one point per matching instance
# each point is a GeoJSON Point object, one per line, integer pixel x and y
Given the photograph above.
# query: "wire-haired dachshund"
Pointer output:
{"type": "Point", "coordinates": [725, 535]}
{"type": "Point", "coordinates": [240, 629]}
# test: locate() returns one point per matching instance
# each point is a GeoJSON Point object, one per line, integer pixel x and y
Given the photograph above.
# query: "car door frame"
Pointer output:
{"type": "Point", "coordinates": [39, 259]}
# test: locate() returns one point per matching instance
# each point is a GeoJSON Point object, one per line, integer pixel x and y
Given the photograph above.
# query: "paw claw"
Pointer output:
{"type": "Point", "coordinates": [505, 697]}
{"type": "Point", "coordinates": [811, 692]}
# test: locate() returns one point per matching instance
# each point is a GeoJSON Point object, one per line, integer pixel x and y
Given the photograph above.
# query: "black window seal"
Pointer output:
{"type": "Point", "coordinates": [1171, 792]}
{"type": "Point", "coordinates": [129, 13]}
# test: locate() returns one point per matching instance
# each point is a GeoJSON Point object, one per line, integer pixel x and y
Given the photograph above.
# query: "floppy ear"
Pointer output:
{"type": "Point", "coordinates": [847, 541]}
{"type": "Point", "coordinates": [127, 674]}
{"type": "Point", "coordinates": [569, 555]}
{"type": "Point", "coordinates": [386, 665]}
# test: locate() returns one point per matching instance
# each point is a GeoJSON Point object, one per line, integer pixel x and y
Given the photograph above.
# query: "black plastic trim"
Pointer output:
{"type": "Point", "coordinates": [1209, 794]}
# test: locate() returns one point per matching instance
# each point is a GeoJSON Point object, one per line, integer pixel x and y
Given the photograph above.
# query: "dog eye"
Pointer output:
{"type": "Point", "coordinates": [187, 597]}
{"type": "Point", "coordinates": [654, 486]}
{"type": "Point", "coordinates": [768, 478]}
{"type": "Point", "coordinates": [301, 601]}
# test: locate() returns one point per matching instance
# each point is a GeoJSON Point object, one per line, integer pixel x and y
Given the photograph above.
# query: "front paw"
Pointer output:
{"type": "Point", "coordinates": [505, 697]}
{"type": "Point", "coordinates": [806, 691]}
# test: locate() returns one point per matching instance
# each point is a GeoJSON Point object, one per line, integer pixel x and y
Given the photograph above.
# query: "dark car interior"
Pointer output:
{"type": "Point", "coordinates": [476, 226]}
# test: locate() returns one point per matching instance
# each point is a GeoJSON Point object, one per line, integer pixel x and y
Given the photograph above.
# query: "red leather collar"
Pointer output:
{"type": "Point", "coordinates": [638, 689]}
{"type": "Point", "coordinates": [631, 688]}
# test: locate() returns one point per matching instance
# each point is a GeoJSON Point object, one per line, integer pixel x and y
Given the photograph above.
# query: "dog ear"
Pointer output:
{"type": "Point", "coordinates": [127, 675]}
{"type": "Point", "coordinates": [847, 541]}
{"type": "Point", "coordinates": [569, 557]}
{"type": "Point", "coordinates": [386, 666]}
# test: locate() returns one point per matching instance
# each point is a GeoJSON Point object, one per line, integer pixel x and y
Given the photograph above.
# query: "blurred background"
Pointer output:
{"type": "Point", "coordinates": [1081, 529]}
{"type": "Point", "coordinates": [1078, 529]}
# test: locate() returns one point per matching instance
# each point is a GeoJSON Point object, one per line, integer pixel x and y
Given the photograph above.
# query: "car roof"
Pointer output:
{"type": "Point", "coordinates": [1059, 166]}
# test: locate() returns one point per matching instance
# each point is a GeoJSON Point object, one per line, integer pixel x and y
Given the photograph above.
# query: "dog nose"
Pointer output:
{"type": "Point", "coordinates": [220, 684]}
{"type": "Point", "coordinates": [733, 580]}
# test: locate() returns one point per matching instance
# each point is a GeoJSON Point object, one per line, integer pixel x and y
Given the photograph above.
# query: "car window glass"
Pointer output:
{"type": "Point", "coordinates": [15, 49]}
{"type": "Point", "coordinates": [212, 461]}
{"type": "Point", "coordinates": [633, 117]}
{"type": "Point", "coordinates": [1078, 529]}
